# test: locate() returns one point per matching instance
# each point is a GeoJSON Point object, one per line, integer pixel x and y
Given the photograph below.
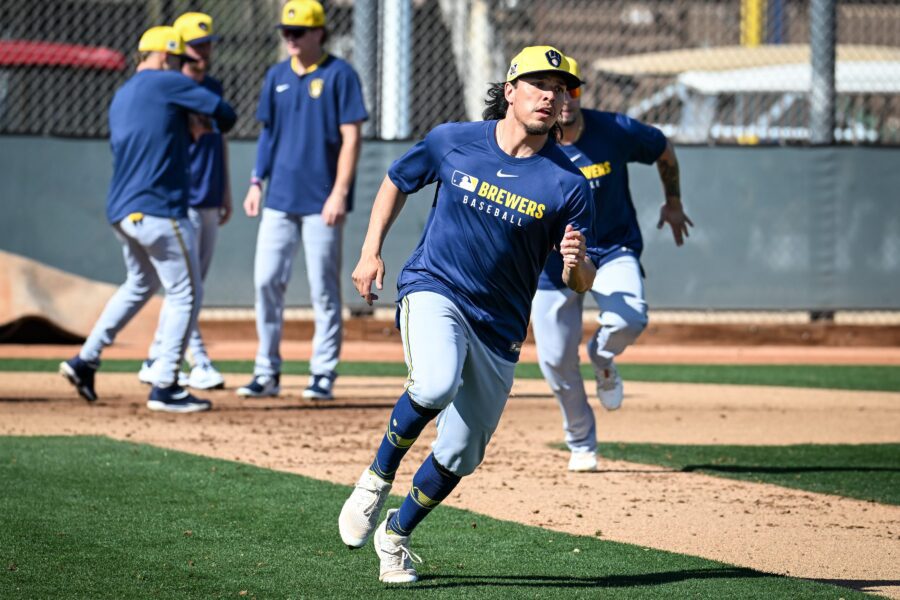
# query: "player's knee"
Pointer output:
{"type": "Point", "coordinates": [433, 390]}
{"type": "Point", "coordinates": [624, 329]}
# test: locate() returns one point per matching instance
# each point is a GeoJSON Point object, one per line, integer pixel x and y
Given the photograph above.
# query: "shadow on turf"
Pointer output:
{"type": "Point", "coordinates": [607, 581]}
{"type": "Point", "coordinates": [785, 470]}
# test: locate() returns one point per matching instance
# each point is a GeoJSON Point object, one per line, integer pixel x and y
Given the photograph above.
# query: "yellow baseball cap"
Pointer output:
{"type": "Point", "coordinates": [196, 28]}
{"type": "Point", "coordinates": [162, 39]}
{"type": "Point", "coordinates": [574, 68]}
{"type": "Point", "coordinates": [541, 59]}
{"type": "Point", "coordinates": [302, 14]}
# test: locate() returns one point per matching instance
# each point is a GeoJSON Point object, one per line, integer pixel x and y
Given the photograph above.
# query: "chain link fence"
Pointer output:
{"type": "Point", "coordinates": [705, 71]}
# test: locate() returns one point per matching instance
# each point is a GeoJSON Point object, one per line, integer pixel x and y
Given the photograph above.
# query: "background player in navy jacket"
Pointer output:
{"type": "Point", "coordinates": [311, 109]}
{"type": "Point", "coordinates": [147, 208]}
{"type": "Point", "coordinates": [601, 144]}
{"type": "Point", "coordinates": [506, 197]}
{"type": "Point", "coordinates": [210, 193]}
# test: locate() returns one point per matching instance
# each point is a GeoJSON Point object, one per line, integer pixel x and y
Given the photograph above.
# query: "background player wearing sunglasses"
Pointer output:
{"type": "Point", "coordinates": [311, 109]}
{"type": "Point", "coordinates": [601, 144]}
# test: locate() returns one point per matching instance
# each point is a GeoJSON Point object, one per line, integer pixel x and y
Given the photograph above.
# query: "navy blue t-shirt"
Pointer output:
{"type": "Point", "coordinates": [149, 136]}
{"type": "Point", "coordinates": [494, 222]}
{"type": "Point", "coordinates": [207, 156]}
{"type": "Point", "coordinates": [608, 143]}
{"type": "Point", "coordinates": [301, 139]}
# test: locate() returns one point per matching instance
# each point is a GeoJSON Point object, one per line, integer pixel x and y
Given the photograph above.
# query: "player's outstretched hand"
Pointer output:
{"type": "Point", "coordinates": [675, 217]}
{"type": "Point", "coordinates": [572, 247]}
{"type": "Point", "coordinates": [251, 201]}
{"type": "Point", "coordinates": [369, 268]}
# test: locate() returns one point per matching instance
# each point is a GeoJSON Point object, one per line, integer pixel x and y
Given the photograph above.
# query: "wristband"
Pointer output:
{"type": "Point", "coordinates": [256, 181]}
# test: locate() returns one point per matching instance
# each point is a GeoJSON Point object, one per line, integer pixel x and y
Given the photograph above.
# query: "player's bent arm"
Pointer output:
{"type": "Point", "coordinates": [672, 211]}
{"type": "Point", "coordinates": [225, 116]}
{"type": "Point", "coordinates": [388, 204]}
{"type": "Point", "coordinates": [580, 278]}
{"type": "Point", "coordinates": [667, 165]}
{"type": "Point", "coordinates": [578, 269]}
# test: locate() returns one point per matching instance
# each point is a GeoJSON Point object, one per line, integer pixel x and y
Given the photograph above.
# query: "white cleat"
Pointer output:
{"type": "Point", "coordinates": [360, 513]}
{"type": "Point", "coordinates": [395, 556]}
{"type": "Point", "coordinates": [609, 387]}
{"type": "Point", "coordinates": [583, 462]}
{"type": "Point", "coordinates": [206, 377]}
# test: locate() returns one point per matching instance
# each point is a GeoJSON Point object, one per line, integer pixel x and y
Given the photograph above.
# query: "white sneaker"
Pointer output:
{"type": "Point", "coordinates": [261, 386]}
{"type": "Point", "coordinates": [609, 387]}
{"type": "Point", "coordinates": [147, 374]}
{"type": "Point", "coordinates": [206, 377]}
{"type": "Point", "coordinates": [360, 513]}
{"type": "Point", "coordinates": [583, 462]}
{"type": "Point", "coordinates": [395, 556]}
{"type": "Point", "coordinates": [319, 387]}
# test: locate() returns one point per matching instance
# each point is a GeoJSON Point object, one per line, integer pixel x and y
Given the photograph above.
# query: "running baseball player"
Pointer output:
{"type": "Point", "coordinates": [506, 196]}
{"type": "Point", "coordinates": [210, 195]}
{"type": "Point", "coordinates": [311, 108]}
{"type": "Point", "coordinates": [601, 144]}
{"type": "Point", "coordinates": [147, 208]}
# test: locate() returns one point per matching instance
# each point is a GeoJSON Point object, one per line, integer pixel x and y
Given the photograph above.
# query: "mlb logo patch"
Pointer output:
{"type": "Point", "coordinates": [464, 181]}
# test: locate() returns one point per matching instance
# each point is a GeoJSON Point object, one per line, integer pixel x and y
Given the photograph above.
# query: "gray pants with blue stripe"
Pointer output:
{"type": "Point", "coordinates": [205, 223]}
{"type": "Point", "coordinates": [158, 252]}
{"type": "Point", "coordinates": [452, 370]}
{"type": "Point", "coordinates": [279, 236]}
{"type": "Point", "coordinates": [556, 319]}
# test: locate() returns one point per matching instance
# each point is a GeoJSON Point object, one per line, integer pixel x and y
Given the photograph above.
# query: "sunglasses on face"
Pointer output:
{"type": "Point", "coordinates": [295, 34]}
{"type": "Point", "coordinates": [574, 94]}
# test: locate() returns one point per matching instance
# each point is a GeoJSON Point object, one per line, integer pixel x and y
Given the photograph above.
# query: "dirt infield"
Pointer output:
{"type": "Point", "coordinates": [761, 526]}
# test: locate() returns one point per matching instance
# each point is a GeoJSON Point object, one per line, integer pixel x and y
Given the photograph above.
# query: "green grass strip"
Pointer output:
{"type": "Point", "coordinates": [93, 518]}
{"type": "Point", "coordinates": [842, 377]}
{"type": "Point", "coordinates": [864, 471]}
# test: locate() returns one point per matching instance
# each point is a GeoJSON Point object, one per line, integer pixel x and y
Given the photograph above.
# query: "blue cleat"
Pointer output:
{"type": "Point", "coordinates": [80, 373]}
{"type": "Point", "coordinates": [175, 399]}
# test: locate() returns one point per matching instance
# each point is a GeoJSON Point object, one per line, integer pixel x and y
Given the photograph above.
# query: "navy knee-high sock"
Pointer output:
{"type": "Point", "coordinates": [431, 484]}
{"type": "Point", "coordinates": [407, 421]}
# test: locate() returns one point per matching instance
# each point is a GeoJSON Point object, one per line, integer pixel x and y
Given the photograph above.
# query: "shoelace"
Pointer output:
{"type": "Point", "coordinates": [368, 507]}
{"type": "Point", "coordinates": [609, 380]}
{"type": "Point", "coordinates": [402, 553]}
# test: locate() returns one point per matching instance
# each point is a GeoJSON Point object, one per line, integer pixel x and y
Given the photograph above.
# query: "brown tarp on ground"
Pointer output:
{"type": "Point", "coordinates": [42, 304]}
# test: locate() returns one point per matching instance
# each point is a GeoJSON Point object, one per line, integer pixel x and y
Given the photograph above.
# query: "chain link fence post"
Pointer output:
{"type": "Point", "coordinates": [822, 34]}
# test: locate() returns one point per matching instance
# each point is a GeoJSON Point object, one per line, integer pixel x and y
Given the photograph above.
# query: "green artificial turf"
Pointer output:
{"type": "Point", "coordinates": [864, 471]}
{"type": "Point", "coordinates": [88, 517]}
{"type": "Point", "coordinates": [882, 378]}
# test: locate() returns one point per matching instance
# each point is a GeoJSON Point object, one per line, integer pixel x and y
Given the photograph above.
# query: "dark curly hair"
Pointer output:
{"type": "Point", "coordinates": [496, 106]}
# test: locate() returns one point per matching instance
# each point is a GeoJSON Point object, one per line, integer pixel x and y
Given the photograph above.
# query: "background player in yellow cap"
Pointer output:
{"type": "Point", "coordinates": [311, 108]}
{"type": "Point", "coordinates": [210, 193]}
{"type": "Point", "coordinates": [147, 208]}
{"type": "Point", "coordinates": [601, 144]}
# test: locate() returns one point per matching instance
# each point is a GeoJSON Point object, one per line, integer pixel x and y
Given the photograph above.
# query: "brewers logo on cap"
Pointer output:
{"type": "Point", "coordinates": [553, 57]}
{"type": "Point", "coordinates": [302, 14]}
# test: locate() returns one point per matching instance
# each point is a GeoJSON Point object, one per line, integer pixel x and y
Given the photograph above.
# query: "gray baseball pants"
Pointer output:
{"type": "Point", "coordinates": [452, 370]}
{"type": "Point", "coordinates": [158, 252]}
{"type": "Point", "coordinates": [205, 222]}
{"type": "Point", "coordinates": [556, 320]}
{"type": "Point", "coordinates": [279, 235]}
